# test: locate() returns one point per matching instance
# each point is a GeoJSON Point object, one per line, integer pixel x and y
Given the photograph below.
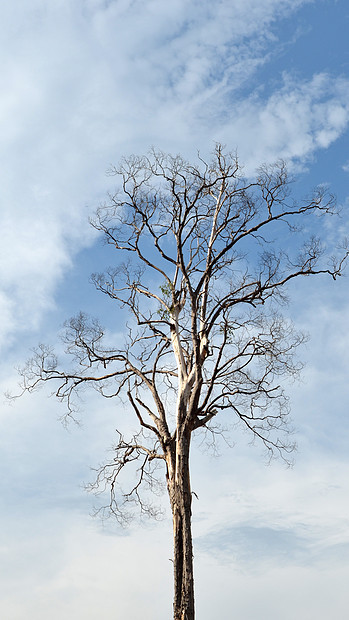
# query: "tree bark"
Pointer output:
{"type": "Point", "coordinates": [180, 499]}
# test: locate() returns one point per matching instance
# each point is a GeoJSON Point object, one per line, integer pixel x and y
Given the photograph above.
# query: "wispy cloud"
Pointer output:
{"type": "Point", "coordinates": [85, 82]}
{"type": "Point", "coordinates": [294, 122]}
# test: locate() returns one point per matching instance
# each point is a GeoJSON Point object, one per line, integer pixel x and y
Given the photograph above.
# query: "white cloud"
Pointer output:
{"type": "Point", "coordinates": [68, 567]}
{"type": "Point", "coordinates": [255, 527]}
{"type": "Point", "coordinates": [291, 592]}
{"type": "Point", "coordinates": [293, 123]}
{"type": "Point", "coordinates": [62, 561]}
{"type": "Point", "coordinates": [84, 83]}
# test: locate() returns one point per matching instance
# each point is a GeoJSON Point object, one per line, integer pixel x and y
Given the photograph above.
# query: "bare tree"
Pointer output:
{"type": "Point", "coordinates": [207, 256]}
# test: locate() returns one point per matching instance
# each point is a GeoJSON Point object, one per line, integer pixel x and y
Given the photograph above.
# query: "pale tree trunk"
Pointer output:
{"type": "Point", "coordinates": [180, 499]}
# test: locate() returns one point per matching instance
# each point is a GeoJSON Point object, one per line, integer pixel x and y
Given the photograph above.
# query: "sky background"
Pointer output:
{"type": "Point", "coordinates": [83, 83]}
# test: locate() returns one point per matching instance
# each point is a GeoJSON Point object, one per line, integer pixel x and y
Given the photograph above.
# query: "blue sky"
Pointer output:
{"type": "Point", "coordinates": [83, 83]}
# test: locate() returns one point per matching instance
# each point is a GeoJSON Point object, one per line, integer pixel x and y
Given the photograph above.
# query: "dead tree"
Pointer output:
{"type": "Point", "coordinates": [206, 257]}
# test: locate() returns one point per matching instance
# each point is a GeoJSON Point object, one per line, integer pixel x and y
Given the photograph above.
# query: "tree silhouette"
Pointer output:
{"type": "Point", "coordinates": [206, 256]}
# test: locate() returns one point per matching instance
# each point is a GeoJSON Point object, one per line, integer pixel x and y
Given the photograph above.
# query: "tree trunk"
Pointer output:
{"type": "Point", "coordinates": [180, 499]}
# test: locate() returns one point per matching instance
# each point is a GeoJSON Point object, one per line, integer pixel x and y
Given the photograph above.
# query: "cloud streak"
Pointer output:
{"type": "Point", "coordinates": [86, 82]}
